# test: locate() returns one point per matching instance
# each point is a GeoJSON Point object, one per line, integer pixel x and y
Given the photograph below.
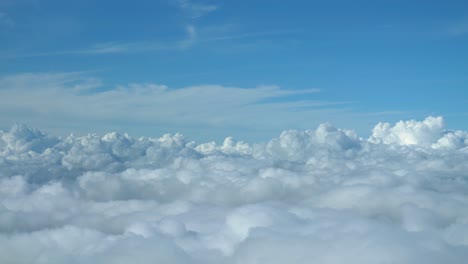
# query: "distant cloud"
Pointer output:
{"type": "Point", "coordinates": [103, 48]}
{"type": "Point", "coordinates": [61, 95]}
{"type": "Point", "coordinates": [191, 37]}
{"type": "Point", "coordinates": [196, 9]}
{"type": "Point", "coordinates": [459, 28]}
{"type": "Point", "coordinates": [119, 47]}
{"type": "Point", "coordinates": [6, 21]}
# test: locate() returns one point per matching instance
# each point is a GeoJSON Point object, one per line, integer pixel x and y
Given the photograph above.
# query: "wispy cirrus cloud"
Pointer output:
{"type": "Point", "coordinates": [74, 96]}
{"type": "Point", "coordinates": [118, 47]}
{"type": "Point", "coordinates": [458, 28]}
{"type": "Point", "coordinates": [184, 36]}
{"type": "Point", "coordinates": [6, 20]}
{"type": "Point", "coordinates": [196, 9]}
{"type": "Point", "coordinates": [193, 36]}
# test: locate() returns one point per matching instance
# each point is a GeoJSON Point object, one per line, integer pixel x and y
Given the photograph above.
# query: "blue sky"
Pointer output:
{"type": "Point", "coordinates": [150, 67]}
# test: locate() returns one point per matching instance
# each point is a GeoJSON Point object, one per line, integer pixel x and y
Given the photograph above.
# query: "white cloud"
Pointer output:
{"type": "Point", "coordinates": [324, 195]}
{"type": "Point", "coordinates": [196, 10]}
{"type": "Point", "coordinates": [190, 35]}
{"type": "Point", "coordinates": [409, 132]}
{"type": "Point", "coordinates": [72, 96]}
{"type": "Point", "coordinates": [121, 47]}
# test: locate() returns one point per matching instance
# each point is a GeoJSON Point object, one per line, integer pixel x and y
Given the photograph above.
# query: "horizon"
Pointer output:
{"type": "Point", "coordinates": [411, 125]}
{"type": "Point", "coordinates": [212, 69]}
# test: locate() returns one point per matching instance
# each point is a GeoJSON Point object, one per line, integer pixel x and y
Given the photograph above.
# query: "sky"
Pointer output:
{"type": "Point", "coordinates": [248, 69]}
{"type": "Point", "coordinates": [233, 132]}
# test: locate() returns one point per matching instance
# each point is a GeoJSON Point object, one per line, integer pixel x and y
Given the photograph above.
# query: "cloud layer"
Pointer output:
{"type": "Point", "coordinates": [66, 102]}
{"type": "Point", "coordinates": [321, 196]}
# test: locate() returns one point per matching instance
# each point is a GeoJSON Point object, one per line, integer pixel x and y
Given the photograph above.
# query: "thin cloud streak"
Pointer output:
{"type": "Point", "coordinates": [6, 20]}
{"type": "Point", "coordinates": [75, 96]}
{"type": "Point", "coordinates": [192, 39]}
{"type": "Point", "coordinates": [196, 10]}
{"type": "Point", "coordinates": [459, 28]}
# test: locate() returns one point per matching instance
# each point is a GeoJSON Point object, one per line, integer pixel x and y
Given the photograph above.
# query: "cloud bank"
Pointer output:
{"type": "Point", "coordinates": [315, 196]}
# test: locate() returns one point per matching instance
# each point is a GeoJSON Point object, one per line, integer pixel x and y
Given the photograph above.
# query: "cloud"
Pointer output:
{"type": "Point", "coordinates": [74, 96]}
{"type": "Point", "coordinates": [459, 28]}
{"type": "Point", "coordinates": [196, 10]}
{"type": "Point", "coordinates": [324, 195]}
{"type": "Point", "coordinates": [122, 47]}
{"type": "Point", "coordinates": [409, 132]}
{"type": "Point", "coordinates": [6, 20]}
{"type": "Point", "coordinates": [109, 48]}
{"type": "Point", "coordinates": [191, 37]}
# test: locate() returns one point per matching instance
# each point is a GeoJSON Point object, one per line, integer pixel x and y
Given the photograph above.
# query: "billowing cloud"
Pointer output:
{"type": "Point", "coordinates": [409, 132]}
{"type": "Point", "coordinates": [324, 195]}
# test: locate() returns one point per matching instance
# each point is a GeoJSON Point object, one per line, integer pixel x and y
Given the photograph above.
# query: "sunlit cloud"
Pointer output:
{"type": "Point", "coordinates": [324, 194]}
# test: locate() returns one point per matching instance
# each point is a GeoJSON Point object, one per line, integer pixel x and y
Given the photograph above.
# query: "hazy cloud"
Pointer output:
{"type": "Point", "coordinates": [6, 20]}
{"type": "Point", "coordinates": [196, 9]}
{"type": "Point", "coordinates": [74, 96]}
{"type": "Point", "coordinates": [459, 28]}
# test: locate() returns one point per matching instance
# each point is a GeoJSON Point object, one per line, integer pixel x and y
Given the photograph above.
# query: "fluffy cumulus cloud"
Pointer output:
{"type": "Point", "coordinates": [316, 196]}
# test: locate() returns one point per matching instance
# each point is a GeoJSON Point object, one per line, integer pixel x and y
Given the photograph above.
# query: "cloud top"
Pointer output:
{"type": "Point", "coordinates": [324, 195]}
{"type": "Point", "coordinates": [409, 132]}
